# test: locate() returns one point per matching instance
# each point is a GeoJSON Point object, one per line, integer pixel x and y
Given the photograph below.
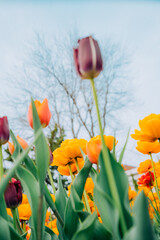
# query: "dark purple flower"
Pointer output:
{"type": "Point", "coordinates": [13, 194]}
{"type": "Point", "coordinates": [4, 130]}
{"type": "Point", "coordinates": [87, 58]}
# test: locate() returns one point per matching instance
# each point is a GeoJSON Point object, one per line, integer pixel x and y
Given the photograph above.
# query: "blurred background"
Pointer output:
{"type": "Point", "coordinates": [36, 59]}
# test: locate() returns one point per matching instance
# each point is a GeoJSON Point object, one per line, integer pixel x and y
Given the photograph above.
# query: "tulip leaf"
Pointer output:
{"type": "Point", "coordinates": [28, 162]}
{"type": "Point", "coordinates": [124, 148]}
{"type": "Point", "coordinates": [86, 229]}
{"type": "Point", "coordinates": [142, 228]}
{"type": "Point", "coordinates": [81, 178]}
{"type": "Point", "coordinates": [52, 234]}
{"type": "Point", "coordinates": [61, 201]}
{"type": "Point", "coordinates": [72, 214]}
{"type": "Point", "coordinates": [100, 232]}
{"type": "Point", "coordinates": [42, 149]}
{"type": "Point", "coordinates": [47, 236]}
{"type": "Point", "coordinates": [10, 173]}
{"type": "Point", "coordinates": [4, 230]}
{"type": "Point", "coordinates": [61, 198]}
{"type": "Point", "coordinates": [31, 187]}
{"type": "Point", "coordinates": [103, 197]}
{"type": "Point", "coordinates": [3, 212]}
{"type": "Point", "coordinates": [32, 168]}
{"type": "Point", "coordinates": [14, 234]}
{"type": "Point", "coordinates": [51, 204]}
{"type": "Point", "coordinates": [93, 174]}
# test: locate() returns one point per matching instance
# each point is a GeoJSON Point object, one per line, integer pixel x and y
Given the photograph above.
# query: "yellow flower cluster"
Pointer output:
{"type": "Point", "coordinates": [24, 211]}
{"type": "Point", "coordinates": [149, 143]}
{"type": "Point", "coordinates": [68, 155]}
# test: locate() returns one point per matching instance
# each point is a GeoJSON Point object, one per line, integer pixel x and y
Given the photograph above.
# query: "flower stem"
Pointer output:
{"type": "Point", "coordinates": [51, 181]}
{"type": "Point", "coordinates": [84, 192]}
{"type": "Point", "coordinates": [107, 163]}
{"type": "Point", "coordinates": [154, 172]}
{"type": "Point", "coordinates": [16, 222]}
{"type": "Point", "coordinates": [1, 162]}
{"type": "Point", "coordinates": [153, 197]}
{"type": "Point", "coordinates": [71, 174]}
{"type": "Point", "coordinates": [14, 218]}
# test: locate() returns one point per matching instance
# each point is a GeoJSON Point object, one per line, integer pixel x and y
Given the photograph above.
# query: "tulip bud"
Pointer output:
{"type": "Point", "coordinates": [13, 194]}
{"type": "Point", "coordinates": [94, 147]}
{"type": "Point", "coordinates": [87, 58]}
{"type": "Point", "coordinates": [4, 130]}
{"type": "Point", "coordinates": [21, 141]}
{"type": "Point", "coordinates": [43, 113]}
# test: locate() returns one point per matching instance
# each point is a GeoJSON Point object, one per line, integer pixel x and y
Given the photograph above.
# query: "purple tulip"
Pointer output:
{"type": "Point", "coordinates": [4, 130]}
{"type": "Point", "coordinates": [13, 194]}
{"type": "Point", "coordinates": [87, 58]}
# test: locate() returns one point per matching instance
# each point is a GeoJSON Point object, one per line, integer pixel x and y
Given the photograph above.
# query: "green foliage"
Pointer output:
{"type": "Point", "coordinates": [56, 137]}
{"type": "Point", "coordinates": [73, 220]}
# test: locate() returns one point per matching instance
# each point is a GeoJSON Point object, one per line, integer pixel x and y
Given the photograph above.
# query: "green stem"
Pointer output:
{"type": "Point", "coordinates": [14, 218]}
{"type": "Point", "coordinates": [71, 174]}
{"type": "Point", "coordinates": [16, 222]}
{"type": "Point", "coordinates": [51, 181]}
{"type": "Point", "coordinates": [108, 167]}
{"type": "Point", "coordinates": [84, 192]}
{"type": "Point", "coordinates": [1, 162]}
{"type": "Point", "coordinates": [154, 172]}
{"type": "Point", "coordinates": [153, 196]}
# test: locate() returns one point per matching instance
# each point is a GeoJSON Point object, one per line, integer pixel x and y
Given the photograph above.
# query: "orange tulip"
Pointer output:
{"type": "Point", "coordinates": [148, 147]}
{"type": "Point", "coordinates": [94, 147]}
{"type": "Point", "coordinates": [21, 141]}
{"type": "Point", "coordinates": [149, 129]}
{"type": "Point", "coordinates": [43, 113]}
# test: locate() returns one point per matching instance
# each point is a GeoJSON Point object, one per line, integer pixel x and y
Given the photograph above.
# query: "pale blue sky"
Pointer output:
{"type": "Point", "coordinates": [134, 24]}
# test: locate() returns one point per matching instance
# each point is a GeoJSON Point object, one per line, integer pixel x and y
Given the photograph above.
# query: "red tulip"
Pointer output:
{"type": "Point", "coordinates": [13, 194]}
{"type": "Point", "coordinates": [87, 58]}
{"type": "Point", "coordinates": [4, 130]}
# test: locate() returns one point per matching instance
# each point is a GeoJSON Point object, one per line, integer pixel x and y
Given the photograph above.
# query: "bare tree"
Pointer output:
{"type": "Point", "coordinates": [49, 72]}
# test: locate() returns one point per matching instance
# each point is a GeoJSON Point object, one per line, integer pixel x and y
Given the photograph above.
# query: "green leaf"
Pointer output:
{"type": "Point", "coordinates": [3, 212]}
{"type": "Point", "coordinates": [10, 173]}
{"type": "Point", "coordinates": [42, 149]}
{"type": "Point", "coordinates": [51, 233]}
{"type": "Point", "coordinates": [47, 236]}
{"type": "Point", "coordinates": [142, 228]}
{"type": "Point", "coordinates": [93, 174]}
{"type": "Point", "coordinates": [100, 232]}
{"type": "Point", "coordinates": [114, 147]}
{"type": "Point", "coordinates": [31, 188]}
{"type": "Point", "coordinates": [71, 216]}
{"type": "Point", "coordinates": [85, 157]}
{"type": "Point", "coordinates": [103, 197]}
{"type": "Point", "coordinates": [4, 230]}
{"type": "Point", "coordinates": [28, 162]}
{"type": "Point", "coordinates": [14, 234]}
{"type": "Point", "coordinates": [32, 168]}
{"type": "Point", "coordinates": [81, 178]}
{"type": "Point", "coordinates": [51, 204]}
{"type": "Point", "coordinates": [86, 228]}
{"type": "Point", "coordinates": [61, 201]}
{"type": "Point", "coordinates": [61, 198]}
{"type": "Point", "coordinates": [124, 148]}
